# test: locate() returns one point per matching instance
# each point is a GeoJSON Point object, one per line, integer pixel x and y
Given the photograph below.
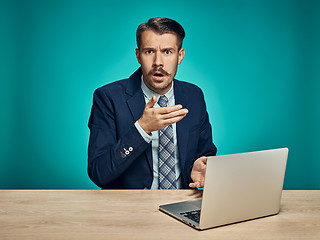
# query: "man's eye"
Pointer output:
{"type": "Point", "coordinates": [149, 51]}
{"type": "Point", "coordinates": [167, 52]}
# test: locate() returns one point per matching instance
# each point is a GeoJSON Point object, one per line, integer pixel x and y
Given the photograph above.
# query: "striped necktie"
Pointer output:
{"type": "Point", "coordinates": [167, 175]}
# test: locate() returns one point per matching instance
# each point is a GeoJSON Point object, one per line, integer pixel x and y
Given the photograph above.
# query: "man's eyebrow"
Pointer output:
{"type": "Point", "coordinates": [147, 48]}
{"type": "Point", "coordinates": [167, 48]}
{"type": "Point", "coordinates": [162, 49]}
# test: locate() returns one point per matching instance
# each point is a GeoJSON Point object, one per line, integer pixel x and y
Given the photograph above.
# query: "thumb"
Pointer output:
{"type": "Point", "coordinates": [204, 160]}
{"type": "Point", "coordinates": [152, 102]}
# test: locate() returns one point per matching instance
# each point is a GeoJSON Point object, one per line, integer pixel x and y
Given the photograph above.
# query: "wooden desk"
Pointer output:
{"type": "Point", "coordinates": [122, 214]}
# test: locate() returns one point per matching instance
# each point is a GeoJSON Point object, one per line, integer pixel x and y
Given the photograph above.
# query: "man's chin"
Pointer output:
{"type": "Point", "coordinates": [160, 88]}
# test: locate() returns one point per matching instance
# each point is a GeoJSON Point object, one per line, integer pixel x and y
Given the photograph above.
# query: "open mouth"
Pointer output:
{"type": "Point", "coordinates": [158, 76]}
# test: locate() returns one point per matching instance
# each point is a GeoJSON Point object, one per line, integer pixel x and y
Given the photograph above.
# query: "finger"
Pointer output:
{"type": "Point", "coordinates": [181, 112]}
{"type": "Point", "coordinates": [194, 185]}
{"type": "Point", "coordinates": [202, 183]}
{"type": "Point", "coordinates": [152, 102]}
{"type": "Point", "coordinates": [173, 120]}
{"type": "Point", "coordinates": [166, 110]}
{"type": "Point", "coordinates": [204, 160]}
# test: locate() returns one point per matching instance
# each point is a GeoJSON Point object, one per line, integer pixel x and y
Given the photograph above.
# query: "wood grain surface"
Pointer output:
{"type": "Point", "coordinates": [134, 214]}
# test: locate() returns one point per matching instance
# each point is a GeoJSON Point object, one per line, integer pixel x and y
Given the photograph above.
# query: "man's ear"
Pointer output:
{"type": "Point", "coordinates": [138, 55]}
{"type": "Point", "coordinates": [181, 55]}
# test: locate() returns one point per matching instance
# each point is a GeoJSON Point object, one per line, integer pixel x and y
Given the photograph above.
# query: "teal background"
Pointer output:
{"type": "Point", "coordinates": [258, 63]}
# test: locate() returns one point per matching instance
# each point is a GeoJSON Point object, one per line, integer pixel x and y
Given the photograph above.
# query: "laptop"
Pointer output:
{"type": "Point", "coordinates": [238, 187]}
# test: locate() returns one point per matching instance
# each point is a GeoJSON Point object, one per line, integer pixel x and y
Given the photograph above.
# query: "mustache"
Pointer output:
{"type": "Point", "coordinates": [159, 69]}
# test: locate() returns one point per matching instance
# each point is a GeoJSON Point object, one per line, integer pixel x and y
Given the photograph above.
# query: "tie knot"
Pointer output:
{"type": "Point", "coordinates": [163, 101]}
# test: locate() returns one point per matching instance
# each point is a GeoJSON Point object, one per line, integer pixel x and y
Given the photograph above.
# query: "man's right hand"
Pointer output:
{"type": "Point", "coordinates": [154, 119]}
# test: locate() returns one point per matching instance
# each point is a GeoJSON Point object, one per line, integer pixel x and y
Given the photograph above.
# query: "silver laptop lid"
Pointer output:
{"type": "Point", "coordinates": [242, 186]}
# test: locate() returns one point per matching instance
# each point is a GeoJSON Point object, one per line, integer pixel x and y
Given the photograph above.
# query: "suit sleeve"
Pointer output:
{"type": "Point", "coordinates": [109, 155]}
{"type": "Point", "coordinates": [205, 147]}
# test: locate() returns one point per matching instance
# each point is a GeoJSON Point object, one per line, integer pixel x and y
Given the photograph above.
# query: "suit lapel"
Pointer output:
{"type": "Point", "coordinates": [136, 104]}
{"type": "Point", "coordinates": [182, 126]}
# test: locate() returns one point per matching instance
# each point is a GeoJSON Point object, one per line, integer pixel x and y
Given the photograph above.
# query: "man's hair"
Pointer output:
{"type": "Point", "coordinates": [161, 25]}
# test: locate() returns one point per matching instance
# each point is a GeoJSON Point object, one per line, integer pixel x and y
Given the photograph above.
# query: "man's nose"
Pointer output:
{"type": "Point", "coordinates": [158, 60]}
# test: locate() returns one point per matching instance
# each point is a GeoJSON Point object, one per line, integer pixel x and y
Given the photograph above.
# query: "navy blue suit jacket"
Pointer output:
{"type": "Point", "coordinates": [116, 107]}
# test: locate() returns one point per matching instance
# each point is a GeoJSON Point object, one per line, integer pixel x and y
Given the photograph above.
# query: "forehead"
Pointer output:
{"type": "Point", "coordinates": [152, 39]}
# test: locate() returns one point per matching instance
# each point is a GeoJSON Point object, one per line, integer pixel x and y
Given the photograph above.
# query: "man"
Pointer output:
{"type": "Point", "coordinates": [151, 130]}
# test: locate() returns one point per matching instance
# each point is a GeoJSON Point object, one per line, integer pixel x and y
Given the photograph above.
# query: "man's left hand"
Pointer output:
{"type": "Point", "coordinates": [198, 172]}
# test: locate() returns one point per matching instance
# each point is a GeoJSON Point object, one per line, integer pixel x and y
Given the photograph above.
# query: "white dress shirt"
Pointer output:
{"type": "Point", "coordinates": [154, 136]}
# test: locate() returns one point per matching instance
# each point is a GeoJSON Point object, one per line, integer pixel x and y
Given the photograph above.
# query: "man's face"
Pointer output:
{"type": "Point", "coordinates": [159, 58]}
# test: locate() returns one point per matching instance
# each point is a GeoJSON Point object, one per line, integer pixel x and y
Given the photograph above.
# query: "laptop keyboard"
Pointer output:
{"type": "Point", "coordinates": [193, 215]}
